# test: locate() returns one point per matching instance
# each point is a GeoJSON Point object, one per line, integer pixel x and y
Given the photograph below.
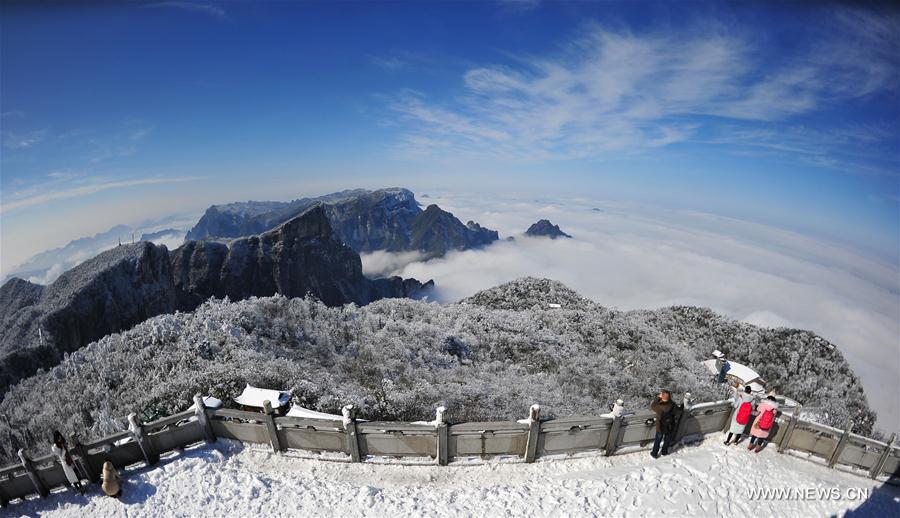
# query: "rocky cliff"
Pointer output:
{"type": "Point", "coordinates": [299, 257]}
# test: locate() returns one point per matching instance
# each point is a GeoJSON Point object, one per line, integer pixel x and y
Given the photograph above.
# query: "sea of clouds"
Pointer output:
{"type": "Point", "coordinates": [632, 256]}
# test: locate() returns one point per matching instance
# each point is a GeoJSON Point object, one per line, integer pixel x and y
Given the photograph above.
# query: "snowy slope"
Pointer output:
{"type": "Point", "coordinates": [711, 479]}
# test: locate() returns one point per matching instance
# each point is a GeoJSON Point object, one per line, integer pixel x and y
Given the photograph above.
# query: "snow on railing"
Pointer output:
{"type": "Point", "coordinates": [619, 431]}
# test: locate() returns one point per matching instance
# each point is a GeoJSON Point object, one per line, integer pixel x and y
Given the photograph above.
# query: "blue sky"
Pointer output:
{"type": "Point", "coordinates": [786, 115]}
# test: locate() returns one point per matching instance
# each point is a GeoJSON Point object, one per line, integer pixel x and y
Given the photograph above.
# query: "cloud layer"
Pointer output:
{"type": "Point", "coordinates": [609, 90]}
{"type": "Point", "coordinates": [639, 257]}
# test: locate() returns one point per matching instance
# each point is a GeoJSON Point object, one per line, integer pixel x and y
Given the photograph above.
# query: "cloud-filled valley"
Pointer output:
{"type": "Point", "coordinates": [630, 256]}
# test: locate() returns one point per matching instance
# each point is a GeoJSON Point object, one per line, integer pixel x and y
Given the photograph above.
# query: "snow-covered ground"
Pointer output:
{"type": "Point", "coordinates": [228, 479]}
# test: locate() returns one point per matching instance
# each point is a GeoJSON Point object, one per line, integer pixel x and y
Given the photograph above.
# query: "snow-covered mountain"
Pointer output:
{"type": "Point", "coordinates": [131, 283]}
{"type": "Point", "coordinates": [117, 289]}
{"type": "Point", "coordinates": [483, 359]}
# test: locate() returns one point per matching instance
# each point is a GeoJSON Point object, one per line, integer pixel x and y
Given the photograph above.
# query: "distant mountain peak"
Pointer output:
{"type": "Point", "coordinates": [388, 219]}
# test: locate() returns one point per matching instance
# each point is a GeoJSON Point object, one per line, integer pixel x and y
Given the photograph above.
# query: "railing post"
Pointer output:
{"type": "Point", "coordinates": [726, 423]}
{"type": "Point", "coordinates": [137, 431]}
{"type": "Point", "coordinates": [443, 436]}
{"type": "Point", "coordinates": [842, 443]}
{"type": "Point", "coordinates": [534, 432]}
{"type": "Point", "coordinates": [879, 464]}
{"type": "Point", "coordinates": [4, 500]}
{"type": "Point", "coordinates": [613, 438]}
{"type": "Point", "coordinates": [682, 422]}
{"type": "Point", "coordinates": [271, 427]}
{"type": "Point", "coordinates": [349, 413]}
{"type": "Point", "coordinates": [89, 471]}
{"type": "Point", "coordinates": [785, 442]}
{"type": "Point", "coordinates": [203, 419]}
{"type": "Point", "coordinates": [39, 485]}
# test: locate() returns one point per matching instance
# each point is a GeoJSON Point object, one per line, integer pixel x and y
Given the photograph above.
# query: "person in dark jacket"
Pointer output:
{"type": "Point", "coordinates": [661, 405]}
{"type": "Point", "coordinates": [722, 366]}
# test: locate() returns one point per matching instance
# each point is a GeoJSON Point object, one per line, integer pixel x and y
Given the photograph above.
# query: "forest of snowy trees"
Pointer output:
{"type": "Point", "coordinates": [487, 357]}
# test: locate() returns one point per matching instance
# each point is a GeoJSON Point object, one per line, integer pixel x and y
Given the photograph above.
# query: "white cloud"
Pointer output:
{"type": "Point", "coordinates": [37, 197]}
{"type": "Point", "coordinates": [380, 263]}
{"type": "Point", "coordinates": [208, 9]}
{"type": "Point", "coordinates": [49, 276]}
{"type": "Point", "coordinates": [641, 257]}
{"type": "Point", "coordinates": [14, 141]}
{"type": "Point", "coordinates": [171, 240]}
{"type": "Point", "coordinates": [611, 90]}
{"type": "Point", "coordinates": [389, 63]}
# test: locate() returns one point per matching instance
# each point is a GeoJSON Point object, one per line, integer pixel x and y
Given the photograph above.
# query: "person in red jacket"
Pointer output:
{"type": "Point", "coordinates": [765, 421]}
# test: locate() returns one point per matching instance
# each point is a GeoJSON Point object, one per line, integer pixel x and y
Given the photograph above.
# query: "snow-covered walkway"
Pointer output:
{"type": "Point", "coordinates": [228, 479]}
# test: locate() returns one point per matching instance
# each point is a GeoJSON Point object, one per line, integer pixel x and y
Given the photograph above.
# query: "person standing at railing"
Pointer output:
{"type": "Point", "coordinates": [743, 408]}
{"type": "Point", "coordinates": [722, 366]}
{"type": "Point", "coordinates": [765, 420]}
{"type": "Point", "coordinates": [663, 406]}
{"type": "Point", "coordinates": [61, 450]}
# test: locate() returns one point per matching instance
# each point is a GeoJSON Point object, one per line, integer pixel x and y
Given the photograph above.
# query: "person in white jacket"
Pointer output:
{"type": "Point", "coordinates": [743, 408]}
{"type": "Point", "coordinates": [61, 450]}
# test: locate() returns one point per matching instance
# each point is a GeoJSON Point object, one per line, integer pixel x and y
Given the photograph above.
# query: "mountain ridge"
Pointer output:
{"type": "Point", "coordinates": [388, 219]}
{"type": "Point", "coordinates": [128, 284]}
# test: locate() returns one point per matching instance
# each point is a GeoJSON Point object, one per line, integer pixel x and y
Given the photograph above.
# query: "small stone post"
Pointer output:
{"type": "Point", "coordinates": [682, 422]}
{"type": "Point", "coordinates": [879, 464]}
{"type": "Point", "coordinates": [137, 431]}
{"type": "Point", "coordinates": [271, 427]}
{"type": "Point", "coordinates": [89, 472]}
{"type": "Point", "coordinates": [785, 442]}
{"type": "Point", "coordinates": [534, 431]}
{"type": "Point", "coordinates": [349, 413]}
{"type": "Point", "coordinates": [443, 436]}
{"type": "Point", "coordinates": [842, 443]}
{"type": "Point", "coordinates": [613, 438]}
{"type": "Point", "coordinates": [203, 419]}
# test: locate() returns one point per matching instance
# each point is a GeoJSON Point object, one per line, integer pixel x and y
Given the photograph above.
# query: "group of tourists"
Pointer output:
{"type": "Point", "coordinates": [763, 425]}
{"type": "Point", "coordinates": [751, 416]}
{"type": "Point", "coordinates": [111, 481]}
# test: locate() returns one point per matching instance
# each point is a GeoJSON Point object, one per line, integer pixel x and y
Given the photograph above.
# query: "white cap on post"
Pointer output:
{"type": "Point", "coordinates": [347, 412]}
